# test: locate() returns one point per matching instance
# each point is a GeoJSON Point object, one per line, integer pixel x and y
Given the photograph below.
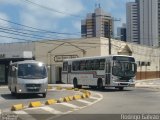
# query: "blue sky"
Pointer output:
{"type": "Point", "coordinates": [22, 12]}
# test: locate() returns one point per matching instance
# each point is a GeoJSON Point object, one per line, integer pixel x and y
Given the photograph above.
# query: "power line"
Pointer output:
{"type": "Point", "coordinates": [36, 28]}
{"type": "Point", "coordinates": [51, 9]}
{"type": "Point", "coordinates": [25, 34]}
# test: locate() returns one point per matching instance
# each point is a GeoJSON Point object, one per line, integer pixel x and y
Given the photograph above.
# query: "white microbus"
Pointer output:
{"type": "Point", "coordinates": [28, 77]}
{"type": "Point", "coordinates": [105, 71]}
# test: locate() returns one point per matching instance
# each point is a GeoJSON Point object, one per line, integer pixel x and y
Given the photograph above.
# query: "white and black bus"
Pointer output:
{"type": "Point", "coordinates": [28, 77]}
{"type": "Point", "coordinates": [98, 72]}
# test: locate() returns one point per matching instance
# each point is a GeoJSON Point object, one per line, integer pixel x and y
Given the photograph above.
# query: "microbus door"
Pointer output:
{"type": "Point", "coordinates": [108, 73]}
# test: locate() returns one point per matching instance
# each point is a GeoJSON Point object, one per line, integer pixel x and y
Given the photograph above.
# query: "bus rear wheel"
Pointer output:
{"type": "Point", "coordinates": [75, 84]}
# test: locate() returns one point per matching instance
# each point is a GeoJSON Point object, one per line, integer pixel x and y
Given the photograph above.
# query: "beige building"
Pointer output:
{"type": "Point", "coordinates": [53, 52]}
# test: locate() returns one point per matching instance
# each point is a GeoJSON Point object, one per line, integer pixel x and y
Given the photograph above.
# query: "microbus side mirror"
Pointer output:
{"type": "Point", "coordinates": [14, 68]}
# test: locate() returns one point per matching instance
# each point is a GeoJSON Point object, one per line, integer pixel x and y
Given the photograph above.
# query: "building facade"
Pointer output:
{"type": "Point", "coordinates": [121, 33]}
{"type": "Point", "coordinates": [97, 24]}
{"type": "Point", "coordinates": [132, 22]}
{"type": "Point", "coordinates": [142, 21]}
{"type": "Point", "coordinates": [12, 52]}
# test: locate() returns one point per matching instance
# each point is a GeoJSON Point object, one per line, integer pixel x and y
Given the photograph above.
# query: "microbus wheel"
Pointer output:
{"type": "Point", "coordinates": [17, 94]}
{"type": "Point", "coordinates": [13, 93]}
{"type": "Point", "coordinates": [75, 84]}
{"type": "Point", "coordinates": [100, 84]}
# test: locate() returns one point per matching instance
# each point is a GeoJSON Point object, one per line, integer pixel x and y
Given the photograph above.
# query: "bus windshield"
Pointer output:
{"type": "Point", "coordinates": [32, 71]}
{"type": "Point", "coordinates": [124, 69]}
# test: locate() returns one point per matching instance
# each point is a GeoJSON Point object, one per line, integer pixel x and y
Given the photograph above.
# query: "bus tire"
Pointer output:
{"type": "Point", "coordinates": [44, 95]}
{"type": "Point", "coordinates": [100, 84]}
{"type": "Point", "coordinates": [79, 86]}
{"type": "Point", "coordinates": [121, 88]}
{"type": "Point", "coordinates": [93, 87]}
{"type": "Point", "coordinates": [75, 84]}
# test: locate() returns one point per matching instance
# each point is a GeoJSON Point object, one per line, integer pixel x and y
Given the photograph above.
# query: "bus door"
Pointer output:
{"type": "Point", "coordinates": [108, 73]}
{"type": "Point", "coordinates": [69, 74]}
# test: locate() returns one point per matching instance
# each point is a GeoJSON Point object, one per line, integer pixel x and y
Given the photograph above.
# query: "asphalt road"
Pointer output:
{"type": "Point", "coordinates": [116, 103]}
{"type": "Point", "coordinates": [7, 100]}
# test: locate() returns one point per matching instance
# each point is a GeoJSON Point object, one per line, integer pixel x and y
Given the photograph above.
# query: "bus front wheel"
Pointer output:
{"type": "Point", "coordinates": [121, 88]}
{"type": "Point", "coordinates": [100, 84]}
{"type": "Point", "coordinates": [44, 95]}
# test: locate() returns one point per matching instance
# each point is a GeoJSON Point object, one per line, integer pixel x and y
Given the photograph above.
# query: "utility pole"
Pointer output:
{"type": "Point", "coordinates": [109, 32]}
{"type": "Point", "coordinates": [109, 37]}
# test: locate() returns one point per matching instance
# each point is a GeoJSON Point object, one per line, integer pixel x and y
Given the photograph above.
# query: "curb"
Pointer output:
{"type": "Point", "coordinates": [85, 94]}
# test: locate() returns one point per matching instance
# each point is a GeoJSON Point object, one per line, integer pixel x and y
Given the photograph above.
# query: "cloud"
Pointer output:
{"type": "Point", "coordinates": [39, 17]}
{"type": "Point", "coordinates": [77, 25]}
{"type": "Point", "coordinates": [3, 23]}
{"type": "Point", "coordinates": [4, 16]}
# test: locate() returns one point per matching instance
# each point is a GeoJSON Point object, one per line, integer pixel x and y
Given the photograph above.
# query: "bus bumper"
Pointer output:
{"type": "Point", "coordinates": [123, 84]}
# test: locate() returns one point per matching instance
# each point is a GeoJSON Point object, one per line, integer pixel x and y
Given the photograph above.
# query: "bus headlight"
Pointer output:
{"type": "Point", "coordinates": [131, 80]}
{"type": "Point", "coordinates": [20, 90]}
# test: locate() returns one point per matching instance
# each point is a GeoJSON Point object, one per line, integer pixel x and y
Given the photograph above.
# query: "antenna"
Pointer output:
{"type": "Point", "coordinates": [97, 4]}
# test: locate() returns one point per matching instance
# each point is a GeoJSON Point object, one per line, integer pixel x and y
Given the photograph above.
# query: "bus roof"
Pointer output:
{"type": "Point", "coordinates": [109, 56]}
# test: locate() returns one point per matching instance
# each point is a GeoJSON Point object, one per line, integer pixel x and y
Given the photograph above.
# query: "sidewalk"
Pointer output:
{"type": "Point", "coordinates": [151, 83]}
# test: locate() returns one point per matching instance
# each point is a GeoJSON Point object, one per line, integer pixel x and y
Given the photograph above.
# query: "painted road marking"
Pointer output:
{"type": "Point", "coordinates": [84, 101]}
{"type": "Point", "coordinates": [51, 110]}
{"type": "Point", "coordinates": [93, 97]}
{"type": "Point", "coordinates": [70, 105]}
{"type": "Point", "coordinates": [25, 115]}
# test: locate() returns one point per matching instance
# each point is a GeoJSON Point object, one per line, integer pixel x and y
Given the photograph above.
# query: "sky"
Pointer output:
{"type": "Point", "coordinates": [51, 19]}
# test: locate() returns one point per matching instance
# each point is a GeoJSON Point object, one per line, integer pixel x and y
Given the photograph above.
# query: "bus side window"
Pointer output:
{"type": "Point", "coordinates": [108, 67]}
{"type": "Point", "coordinates": [65, 66]}
{"type": "Point", "coordinates": [83, 65]}
{"type": "Point", "coordinates": [89, 65]}
{"type": "Point", "coordinates": [96, 64]}
{"type": "Point", "coordinates": [102, 64]}
{"type": "Point", "coordinates": [75, 66]}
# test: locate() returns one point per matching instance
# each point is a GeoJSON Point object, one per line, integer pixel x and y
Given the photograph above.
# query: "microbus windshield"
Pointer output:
{"type": "Point", "coordinates": [32, 71]}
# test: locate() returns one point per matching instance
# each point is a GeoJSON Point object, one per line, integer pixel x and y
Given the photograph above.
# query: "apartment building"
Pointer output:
{"type": "Point", "coordinates": [97, 24]}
